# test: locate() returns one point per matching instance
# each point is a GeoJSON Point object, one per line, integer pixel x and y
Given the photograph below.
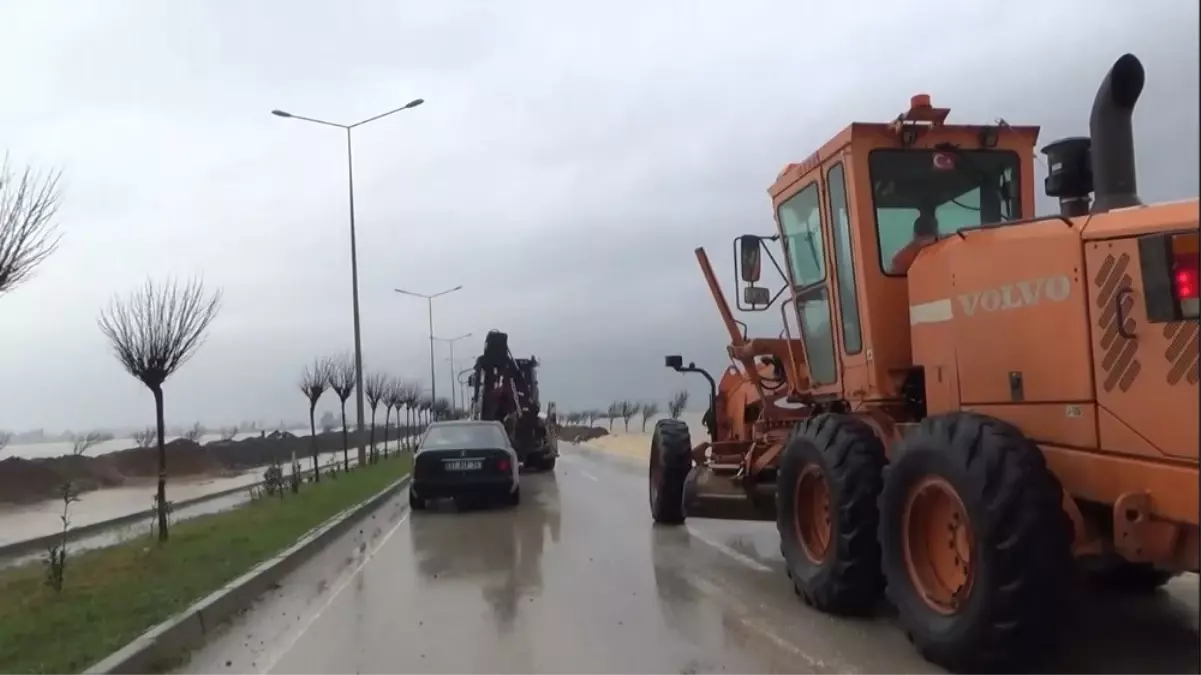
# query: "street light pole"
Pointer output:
{"type": "Point", "coordinates": [451, 342]}
{"type": "Point", "coordinates": [354, 256]}
{"type": "Point", "coordinates": [430, 300]}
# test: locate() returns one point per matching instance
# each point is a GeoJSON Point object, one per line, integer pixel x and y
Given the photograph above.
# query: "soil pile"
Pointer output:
{"type": "Point", "coordinates": [578, 434]}
{"type": "Point", "coordinates": [24, 481]}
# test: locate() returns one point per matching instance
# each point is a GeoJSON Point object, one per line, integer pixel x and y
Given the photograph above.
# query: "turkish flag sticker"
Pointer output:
{"type": "Point", "coordinates": [943, 161]}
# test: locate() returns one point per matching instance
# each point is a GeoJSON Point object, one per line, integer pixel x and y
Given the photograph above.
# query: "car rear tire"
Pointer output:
{"type": "Point", "coordinates": [513, 498]}
{"type": "Point", "coordinates": [415, 503]}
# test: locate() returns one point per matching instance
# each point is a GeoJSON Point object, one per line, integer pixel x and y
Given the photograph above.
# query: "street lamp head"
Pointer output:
{"type": "Point", "coordinates": [281, 113]}
{"type": "Point", "coordinates": [414, 103]}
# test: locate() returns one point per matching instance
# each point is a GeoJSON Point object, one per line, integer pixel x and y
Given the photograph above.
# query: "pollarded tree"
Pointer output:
{"type": "Point", "coordinates": [5, 438]}
{"type": "Point", "coordinates": [676, 405]}
{"type": "Point", "coordinates": [28, 233]}
{"type": "Point", "coordinates": [425, 406]}
{"type": "Point", "coordinates": [313, 382]}
{"type": "Point", "coordinates": [144, 438]}
{"type": "Point", "coordinates": [442, 409]}
{"type": "Point", "coordinates": [613, 413]}
{"type": "Point", "coordinates": [649, 410]}
{"type": "Point", "coordinates": [626, 410]}
{"type": "Point", "coordinates": [154, 331]}
{"type": "Point", "coordinates": [342, 381]}
{"type": "Point", "coordinates": [411, 400]}
{"type": "Point", "coordinates": [390, 401]}
{"type": "Point", "coordinates": [375, 386]}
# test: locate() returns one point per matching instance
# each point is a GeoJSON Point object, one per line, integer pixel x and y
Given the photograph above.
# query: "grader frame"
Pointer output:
{"type": "Point", "coordinates": [955, 429]}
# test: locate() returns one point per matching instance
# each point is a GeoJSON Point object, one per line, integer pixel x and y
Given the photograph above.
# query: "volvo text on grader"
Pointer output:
{"type": "Point", "coordinates": [505, 389]}
{"type": "Point", "coordinates": [978, 404]}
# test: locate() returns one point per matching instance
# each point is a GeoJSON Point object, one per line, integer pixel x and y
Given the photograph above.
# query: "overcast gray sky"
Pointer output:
{"type": "Point", "coordinates": [568, 158]}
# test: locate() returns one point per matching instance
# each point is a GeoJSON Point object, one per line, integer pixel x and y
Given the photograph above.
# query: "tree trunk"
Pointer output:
{"type": "Point", "coordinates": [345, 441]}
{"type": "Point", "coordinates": [408, 426]}
{"type": "Point", "coordinates": [371, 442]}
{"type": "Point", "coordinates": [387, 421]}
{"type": "Point", "coordinates": [313, 441]}
{"type": "Point", "coordinates": [161, 495]}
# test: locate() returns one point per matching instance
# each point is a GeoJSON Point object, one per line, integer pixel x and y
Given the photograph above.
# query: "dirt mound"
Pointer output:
{"type": "Point", "coordinates": [578, 434]}
{"type": "Point", "coordinates": [23, 481]}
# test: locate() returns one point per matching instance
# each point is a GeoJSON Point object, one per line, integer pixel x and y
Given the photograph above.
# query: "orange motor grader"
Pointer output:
{"type": "Point", "coordinates": [969, 406]}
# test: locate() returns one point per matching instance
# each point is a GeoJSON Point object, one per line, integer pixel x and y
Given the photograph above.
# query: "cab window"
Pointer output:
{"type": "Point", "coordinates": [844, 260]}
{"type": "Point", "coordinates": [800, 219]}
{"type": "Point", "coordinates": [945, 189]}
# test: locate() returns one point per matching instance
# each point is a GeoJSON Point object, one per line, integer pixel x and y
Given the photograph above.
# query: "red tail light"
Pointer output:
{"type": "Point", "coordinates": [1184, 277]}
{"type": "Point", "coordinates": [503, 465]}
{"type": "Point", "coordinates": [1171, 281]}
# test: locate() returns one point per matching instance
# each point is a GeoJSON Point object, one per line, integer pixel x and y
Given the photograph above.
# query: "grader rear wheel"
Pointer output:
{"type": "Point", "coordinates": [976, 546]}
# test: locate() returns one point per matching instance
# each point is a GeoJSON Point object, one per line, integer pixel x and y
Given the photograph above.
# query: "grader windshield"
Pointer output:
{"type": "Point", "coordinates": [934, 193]}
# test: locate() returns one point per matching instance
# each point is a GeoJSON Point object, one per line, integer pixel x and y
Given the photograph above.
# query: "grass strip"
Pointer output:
{"type": "Point", "coordinates": [112, 595]}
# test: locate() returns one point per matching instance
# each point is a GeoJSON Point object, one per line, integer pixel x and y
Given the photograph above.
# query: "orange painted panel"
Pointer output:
{"type": "Point", "coordinates": [1146, 373]}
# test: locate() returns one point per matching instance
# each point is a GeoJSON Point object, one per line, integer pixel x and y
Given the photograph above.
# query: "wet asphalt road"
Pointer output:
{"type": "Point", "coordinates": [577, 580]}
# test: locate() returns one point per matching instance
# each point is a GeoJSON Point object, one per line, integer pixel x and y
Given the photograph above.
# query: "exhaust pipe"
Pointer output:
{"type": "Point", "coordinates": [1112, 135]}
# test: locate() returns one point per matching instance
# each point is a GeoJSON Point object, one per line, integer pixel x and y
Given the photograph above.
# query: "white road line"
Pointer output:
{"type": "Point", "coordinates": [589, 476]}
{"type": "Point", "coordinates": [271, 663]}
{"type": "Point", "coordinates": [743, 614]}
{"type": "Point", "coordinates": [740, 557]}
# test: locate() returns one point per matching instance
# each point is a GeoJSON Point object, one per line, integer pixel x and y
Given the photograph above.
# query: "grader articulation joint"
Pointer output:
{"type": "Point", "coordinates": [1030, 384]}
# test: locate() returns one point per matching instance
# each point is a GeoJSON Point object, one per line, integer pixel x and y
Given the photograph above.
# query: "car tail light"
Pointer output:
{"type": "Point", "coordinates": [1171, 278]}
{"type": "Point", "coordinates": [502, 465]}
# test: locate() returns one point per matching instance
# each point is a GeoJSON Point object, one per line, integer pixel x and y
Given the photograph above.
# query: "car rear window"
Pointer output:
{"type": "Point", "coordinates": [465, 436]}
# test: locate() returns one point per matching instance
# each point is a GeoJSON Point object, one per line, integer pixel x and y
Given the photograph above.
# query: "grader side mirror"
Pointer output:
{"type": "Point", "coordinates": [674, 362]}
{"type": "Point", "coordinates": [756, 296]}
{"type": "Point", "coordinates": [749, 256]}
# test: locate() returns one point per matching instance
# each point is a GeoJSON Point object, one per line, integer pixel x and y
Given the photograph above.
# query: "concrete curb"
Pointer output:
{"type": "Point", "coordinates": [188, 629]}
{"type": "Point", "coordinates": [21, 548]}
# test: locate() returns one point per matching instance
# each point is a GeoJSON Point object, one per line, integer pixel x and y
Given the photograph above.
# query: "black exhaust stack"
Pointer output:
{"type": "Point", "coordinates": [1112, 135]}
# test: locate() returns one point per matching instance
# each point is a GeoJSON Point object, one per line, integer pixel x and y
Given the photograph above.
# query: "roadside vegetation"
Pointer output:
{"type": "Point", "coordinates": [113, 595]}
{"type": "Point", "coordinates": [583, 425]}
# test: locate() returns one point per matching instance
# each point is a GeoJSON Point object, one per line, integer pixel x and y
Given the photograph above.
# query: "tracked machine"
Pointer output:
{"type": "Point", "coordinates": [969, 408]}
{"type": "Point", "coordinates": [505, 389]}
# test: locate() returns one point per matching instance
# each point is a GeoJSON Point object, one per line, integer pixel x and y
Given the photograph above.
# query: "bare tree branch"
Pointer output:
{"type": "Point", "coordinates": [649, 410]}
{"type": "Point", "coordinates": [144, 438]}
{"type": "Point", "coordinates": [28, 233]}
{"type": "Point", "coordinates": [81, 443]}
{"type": "Point", "coordinates": [342, 376]}
{"type": "Point", "coordinates": [5, 438]}
{"type": "Point", "coordinates": [195, 433]}
{"type": "Point", "coordinates": [676, 405]}
{"type": "Point", "coordinates": [374, 388]}
{"type": "Point", "coordinates": [157, 328]}
{"type": "Point", "coordinates": [315, 380]}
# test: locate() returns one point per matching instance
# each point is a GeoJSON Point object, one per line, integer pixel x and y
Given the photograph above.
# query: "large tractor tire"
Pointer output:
{"type": "Point", "coordinates": [670, 462]}
{"type": "Point", "coordinates": [827, 486]}
{"type": "Point", "coordinates": [976, 545]}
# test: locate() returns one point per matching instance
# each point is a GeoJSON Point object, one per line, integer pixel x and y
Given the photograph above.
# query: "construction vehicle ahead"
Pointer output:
{"type": "Point", "coordinates": [505, 389]}
{"type": "Point", "coordinates": [969, 407]}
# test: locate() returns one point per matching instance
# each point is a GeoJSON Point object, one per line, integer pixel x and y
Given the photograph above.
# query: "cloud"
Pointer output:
{"type": "Point", "coordinates": [568, 160]}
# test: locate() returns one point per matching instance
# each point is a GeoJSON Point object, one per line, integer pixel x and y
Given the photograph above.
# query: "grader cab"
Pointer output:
{"type": "Point", "coordinates": [968, 405]}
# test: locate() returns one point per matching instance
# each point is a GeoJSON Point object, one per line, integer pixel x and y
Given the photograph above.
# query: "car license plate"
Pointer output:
{"type": "Point", "coordinates": [464, 465]}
